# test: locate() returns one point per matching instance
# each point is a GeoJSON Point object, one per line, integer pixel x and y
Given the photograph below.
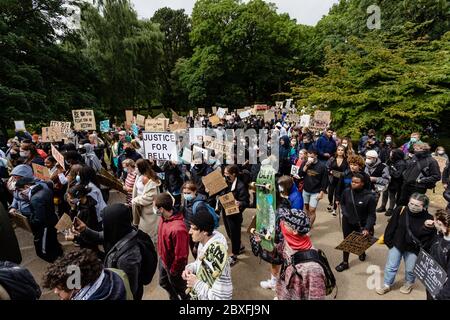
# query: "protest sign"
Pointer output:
{"type": "Point", "coordinates": [305, 120]}
{"type": "Point", "coordinates": [214, 182]}
{"type": "Point", "coordinates": [58, 157]}
{"type": "Point", "coordinates": [128, 118]}
{"type": "Point", "coordinates": [269, 115]}
{"type": "Point", "coordinates": [177, 126]}
{"type": "Point", "coordinates": [356, 243]}
{"type": "Point", "coordinates": [191, 113]}
{"type": "Point", "coordinates": [187, 155]}
{"type": "Point", "coordinates": [288, 103]}
{"type": "Point", "coordinates": [322, 119]}
{"type": "Point", "coordinates": [196, 135]}
{"type": "Point", "coordinates": [160, 116]}
{"type": "Point", "coordinates": [221, 113]}
{"type": "Point", "coordinates": [135, 129]}
{"type": "Point", "coordinates": [63, 127]}
{"type": "Point", "coordinates": [220, 147]}
{"type": "Point", "coordinates": [245, 114]}
{"type": "Point", "coordinates": [65, 223]}
{"type": "Point", "coordinates": [21, 222]}
{"type": "Point", "coordinates": [40, 172]}
{"type": "Point", "coordinates": [214, 110]}
{"type": "Point", "coordinates": [20, 125]}
{"type": "Point", "coordinates": [160, 146]}
{"type": "Point", "coordinates": [51, 134]}
{"type": "Point", "coordinates": [176, 117]}
{"type": "Point", "coordinates": [201, 111]}
{"type": "Point", "coordinates": [214, 120]}
{"type": "Point", "coordinates": [294, 118]}
{"type": "Point", "coordinates": [294, 170]}
{"type": "Point", "coordinates": [83, 119]}
{"type": "Point", "coordinates": [104, 126]}
{"type": "Point", "coordinates": [430, 273]}
{"type": "Point", "coordinates": [155, 125]}
{"type": "Point", "coordinates": [229, 204]}
{"type": "Point", "coordinates": [203, 151]}
{"type": "Point", "coordinates": [140, 120]}
{"type": "Point", "coordinates": [279, 105]}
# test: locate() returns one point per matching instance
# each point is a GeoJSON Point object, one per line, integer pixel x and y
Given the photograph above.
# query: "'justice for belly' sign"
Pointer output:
{"type": "Point", "coordinates": [160, 146]}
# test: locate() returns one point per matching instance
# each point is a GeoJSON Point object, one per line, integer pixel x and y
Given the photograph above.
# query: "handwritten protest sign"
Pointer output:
{"type": "Point", "coordinates": [294, 170]}
{"type": "Point", "coordinates": [214, 110]}
{"type": "Point", "coordinates": [63, 127]}
{"type": "Point", "coordinates": [41, 172]}
{"type": "Point", "coordinates": [305, 120]}
{"type": "Point", "coordinates": [20, 125]}
{"type": "Point", "coordinates": [201, 111]}
{"type": "Point", "coordinates": [294, 118]}
{"type": "Point", "coordinates": [214, 182]}
{"type": "Point", "coordinates": [269, 115]}
{"type": "Point", "coordinates": [65, 223]}
{"type": "Point", "coordinates": [245, 114]}
{"type": "Point", "coordinates": [51, 134]}
{"type": "Point", "coordinates": [229, 204]}
{"type": "Point", "coordinates": [160, 116]}
{"type": "Point", "coordinates": [176, 117]}
{"type": "Point", "coordinates": [83, 119]}
{"type": "Point", "coordinates": [21, 222]}
{"type": "Point", "coordinates": [215, 120]}
{"type": "Point", "coordinates": [155, 125]}
{"type": "Point", "coordinates": [191, 113]}
{"type": "Point", "coordinates": [104, 126]}
{"type": "Point", "coordinates": [140, 120]}
{"type": "Point", "coordinates": [432, 275]}
{"type": "Point", "coordinates": [279, 105]}
{"type": "Point", "coordinates": [322, 119]}
{"type": "Point", "coordinates": [220, 147]}
{"type": "Point", "coordinates": [196, 135]}
{"type": "Point", "coordinates": [160, 146]}
{"type": "Point", "coordinates": [177, 126]}
{"type": "Point", "coordinates": [128, 118]}
{"type": "Point", "coordinates": [356, 243]}
{"type": "Point", "coordinates": [58, 157]}
{"type": "Point", "coordinates": [187, 155]}
{"type": "Point", "coordinates": [288, 103]}
{"type": "Point", "coordinates": [221, 113]}
{"type": "Point", "coordinates": [203, 151]}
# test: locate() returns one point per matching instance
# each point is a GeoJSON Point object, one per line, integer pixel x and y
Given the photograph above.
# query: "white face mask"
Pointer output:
{"type": "Point", "coordinates": [24, 154]}
{"type": "Point", "coordinates": [369, 162]}
{"type": "Point", "coordinates": [311, 159]}
{"type": "Point", "coordinates": [345, 145]}
{"type": "Point", "coordinates": [441, 152]}
{"type": "Point", "coordinates": [280, 188]}
{"type": "Point", "coordinates": [388, 140]}
{"type": "Point", "coordinates": [414, 208]}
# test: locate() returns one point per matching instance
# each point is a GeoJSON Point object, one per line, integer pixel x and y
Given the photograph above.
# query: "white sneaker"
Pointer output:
{"type": "Point", "coordinates": [406, 288]}
{"type": "Point", "coordinates": [383, 290]}
{"type": "Point", "coordinates": [268, 284]}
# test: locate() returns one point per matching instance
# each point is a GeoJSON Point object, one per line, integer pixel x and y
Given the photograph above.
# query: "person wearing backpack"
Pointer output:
{"type": "Point", "coordinates": [358, 214]}
{"type": "Point", "coordinates": [233, 222]}
{"type": "Point", "coordinates": [422, 173]}
{"type": "Point", "coordinates": [440, 248]}
{"type": "Point", "coordinates": [173, 247]}
{"type": "Point", "coordinates": [298, 280]}
{"type": "Point", "coordinates": [127, 248]}
{"type": "Point", "coordinates": [405, 234]}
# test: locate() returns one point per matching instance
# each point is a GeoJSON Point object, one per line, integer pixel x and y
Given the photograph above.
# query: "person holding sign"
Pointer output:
{"type": "Point", "coordinates": [358, 214]}
{"type": "Point", "coordinates": [233, 222]}
{"type": "Point", "coordinates": [29, 153]}
{"type": "Point", "coordinates": [440, 248]}
{"type": "Point", "coordinates": [405, 234]}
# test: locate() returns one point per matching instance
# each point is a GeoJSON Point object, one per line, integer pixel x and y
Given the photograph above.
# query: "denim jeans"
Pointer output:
{"type": "Point", "coordinates": [393, 262]}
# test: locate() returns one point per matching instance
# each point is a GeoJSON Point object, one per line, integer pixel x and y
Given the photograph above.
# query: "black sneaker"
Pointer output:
{"type": "Point", "coordinates": [389, 213]}
{"type": "Point", "coordinates": [330, 208]}
{"type": "Point", "coordinates": [233, 261]}
{"type": "Point", "coordinates": [343, 266]}
{"type": "Point", "coordinates": [362, 257]}
{"type": "Point", "coordinates": [242, 249]}
{"type": "Point", "coordinates": [381, 209]}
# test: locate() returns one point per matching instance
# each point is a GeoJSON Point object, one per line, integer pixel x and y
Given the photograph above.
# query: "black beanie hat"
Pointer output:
{"type": "Point", "coordinates": [296, 219]}
{"type": "Point", "coordinates": [203, 220]}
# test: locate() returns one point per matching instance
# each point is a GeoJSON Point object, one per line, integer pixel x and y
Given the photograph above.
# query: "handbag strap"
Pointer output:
{"type": "Point", "coordinates": [408, 229]}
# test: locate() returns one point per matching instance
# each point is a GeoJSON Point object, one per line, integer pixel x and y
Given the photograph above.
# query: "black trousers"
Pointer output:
{"type": "Point", "coordinates": [233, 225]}
{"type": "Point", "coordinates": [406, 192]}
{"type": "Point", "coordinates": [347, 229]}
{"type": "Point", "coordinates": [392, 195]}
{"type": "Point", "coordinates": [174, 285]}
{"type": "Point", "coordinates": [332, 192]}
{"type": "Point", "coordinates": [46, 244]}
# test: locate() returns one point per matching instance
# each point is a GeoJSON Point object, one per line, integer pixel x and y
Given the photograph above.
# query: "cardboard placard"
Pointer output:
{"type": "Point", "coordinates": [177, 126]}
{"type": "Point", "coordinates": [245, 114]}
{"type": "Point", "coordinates": [214, 120]}
{"type": "Point", "coordinates": [279, 105]}
{"type": "Point", "coordinates": [104, 126]}
{"type": "Point", "coordinates": [83, 119]}
{"type": "Point", "coordinates": [63, 127]}
{"type": "Point", "coordinates": [288, 103]}
{"type": "Point", "coordinates": [128, 118]}
{"type": "Point", "coordinates": [65, 223]}
{"type": "Point", "coordinates": [20, 125]}
{"type": "Point", "coordinates": [155, 125]}
{"type": "Point", "coordinates": [191, 113]}
{"type": "Point", "coordinates": [294, 170]}
{"type": "Point", "coordinates": [22, 222]}
{"type": "Point", "coordinates": [220, 147]}
{"type": "Point", "coordinates": [356, 243]}
{"type": "Point", "coordinates": [58, 157]}
{"type": "Point", "coordinates": [269, 115]}
{"type": "Point", "coordinates": [221, 113]}
{"type": "Point", "coordinates": [322, 119]}
{"type": "Point", "coordinates": [432, 275]}
{"type": "Point", "coordinates": [51, 134]}
{"type": "Point", "coordinates": [196, 135]}
{"type": "Point", "coordinates": [201, 111]}
{"type": "Point", "coordinates": [187, 155]}
{"type": "Point", "coordinates": [197, 149]}
{"type": "Point", "coordinates": [305, 120]}
{"type": "Point", "coordinates": [140, 120]}
{"type": "Point", "coordinates": [160, 146]}
{"type": "Point", "coordinates": [176, 117]}
{"type": "Point", "coordinates": [229, 204]}
{"type": "Point", "coordinates": [214, 110]}
{"type": "Point", "coordinates": [214, 182]}
{"type": "Point", "coordinates": [294, 118]}
{"type": "Point", "coordinates": [160, 116]}
{"type": "Point", "coordinates": [41, 172]}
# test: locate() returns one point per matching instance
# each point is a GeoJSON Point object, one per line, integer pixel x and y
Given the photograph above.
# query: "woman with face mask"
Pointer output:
{"type": "Point", "coordinates": [405, 235]}
{"type": "Point", "coordinates": [29, 153]}
{"type": "Point", "coordinates": [348, 145]}
{"type": "Point", "coordinates": [386, 147]}
{"type": "Point", "coordinates": [440, 153]}
{"type": "Point", "coordinates": [440, 248]}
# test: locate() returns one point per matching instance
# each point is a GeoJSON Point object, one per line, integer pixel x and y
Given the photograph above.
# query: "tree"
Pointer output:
{"type": "Point", "coordinates": [126, 52]}
{"type": "Point", "coordinates": [176, 26]}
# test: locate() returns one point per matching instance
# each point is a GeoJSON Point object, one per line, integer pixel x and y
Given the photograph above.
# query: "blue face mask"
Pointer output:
{"type": "Point", "coordinates": [125, 170]}
{"type": "Point", "coordinates": [211, 161]}
{"type": "Point", "coordinates": [77, 179]}
{"type": "Point", "coordinates": [413, 140]}
{"type": "Point", "coordinates": [189, 197]}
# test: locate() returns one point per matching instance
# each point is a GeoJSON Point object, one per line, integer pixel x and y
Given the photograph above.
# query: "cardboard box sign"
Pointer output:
{"type": "Point", "coordinates": [84, 119]}
{"type": "Point", "coordinates": [214, 110]}
{"type": "Point", "coordinates": [214, 182]}
{"type": "Point", "coordinates": [305, 120]}
{"type": "Point", "coordinates": [201, 111]}
{"type": "Point", "coordinates": [65, 223]}
{"type": "Point", "coordinates": [51, 134]}
{"type": "Point", "coordinates": [20, 125]}
{"type": "Point", "coordinates": [322, 119]}
{"type": "Point", "coordinates": [63, 127]}
{"type": "Point", "coordinates": [155, 125]}
{"type": "Point", "coordinates": [41, 172]}
{"type": "Point", "coordinates": [58, 157]}
{"type": "Point", "coordinates": [140, 120]}
{"type": "Point", "coordinates": [22, 222]}
{"type": "Point", "coordinates": [229, 204]}
{"type": "Point", "coordinates": [160, 116]}
{"type": "Point", "coordinates": [356, 243]}
{"type": "Point", "coordinates": [160, 146]}
{"type": "Point", "coordinates": [269, 116]}
{"type": "Point", "coordinates": [177, 126]}
{"type": "Point", "coordinates": [214, 120]}
{"type": "Point", "coordinates": [279, 104]}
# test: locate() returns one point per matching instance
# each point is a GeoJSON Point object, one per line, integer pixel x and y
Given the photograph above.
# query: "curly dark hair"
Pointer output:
{"type": "Point", "coordinates": [356, 160]}
{"type": "Point", "coordinates": [57, 273]}
{"type": "Point", "coordinates": [443, 215]}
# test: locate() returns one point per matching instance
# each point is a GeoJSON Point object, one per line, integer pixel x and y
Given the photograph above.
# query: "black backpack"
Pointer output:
{"type": "Point", "coordinates": [319, 257]}
{"type": "Point", "coordinates": [149, 258]}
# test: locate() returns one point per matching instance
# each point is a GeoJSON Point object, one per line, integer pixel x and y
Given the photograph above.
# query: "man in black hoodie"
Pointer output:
{"type": "Point", "coordinates": [422, 173]}
{"type": "Point", "coordinates": [358, 211]}
{"type": "Point", "coordinates": [199, 170]}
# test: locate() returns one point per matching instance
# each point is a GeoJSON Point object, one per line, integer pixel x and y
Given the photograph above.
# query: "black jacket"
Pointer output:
{"type": "Point", "coordinates": [397, 166]}
{"type": "Point", "coordinates": [396, 234]}
{"type": "Point", "coordinates": [88, 214]}
{"type": "Point", "coordinates": [365, 205]}
{"type": "Point", "coordinates": [197, 173]}
{"type": "Point", "coordinates": [440, 251]}
{"type": "Point", "coordinates": [315, 177]}
{"type": "Point", "coordinates": [240, 194]}
{"type": "Point", "coordinates": [422, 172]}
{"type": "Point", "coordinates": [43, 210]}
{"type": "Point", "coordinates": [18, 282]}
{"type": "Point", "coordinates": [346, 181]}
{"type": "Point", "coordinates": [173, 179]}
{"type": "Point", "coordinates": [446, 174]}
{"type": "Point", "coordinates": [10, 252]}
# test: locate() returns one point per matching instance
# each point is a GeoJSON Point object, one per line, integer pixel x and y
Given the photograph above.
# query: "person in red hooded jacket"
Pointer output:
{"type": "Point", "coordinates": [173, 247]}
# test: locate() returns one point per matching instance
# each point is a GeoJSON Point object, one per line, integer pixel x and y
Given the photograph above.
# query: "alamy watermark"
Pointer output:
{"type": "Point", "coordinates": [374, 19]}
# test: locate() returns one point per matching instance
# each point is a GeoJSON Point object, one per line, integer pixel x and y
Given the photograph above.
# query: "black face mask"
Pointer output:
{"type": "Point", "coordinates": [420, 154]}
